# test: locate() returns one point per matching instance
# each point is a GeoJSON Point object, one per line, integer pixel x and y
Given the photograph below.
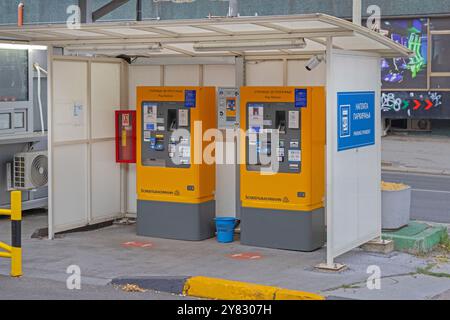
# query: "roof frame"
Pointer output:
{"type": "Point", "coordinates": [169, 33]}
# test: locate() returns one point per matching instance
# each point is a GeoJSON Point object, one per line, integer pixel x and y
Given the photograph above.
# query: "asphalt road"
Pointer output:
{"type": "Point", "coordinates": [430, 195]}
{"type": "Point", "coordinates": [25, 288]}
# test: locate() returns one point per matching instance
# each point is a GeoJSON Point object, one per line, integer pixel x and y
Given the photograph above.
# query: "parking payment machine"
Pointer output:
{"type": "Point", "coordinates": [283, 173]}
{"type": "Point", "coordinates": [175, 188]}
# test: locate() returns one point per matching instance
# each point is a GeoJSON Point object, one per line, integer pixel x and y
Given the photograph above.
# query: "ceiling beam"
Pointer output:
{"type": "Point", "coordinates": [107, 8]}
{"type": "Point", "coordinates": [85, 11]}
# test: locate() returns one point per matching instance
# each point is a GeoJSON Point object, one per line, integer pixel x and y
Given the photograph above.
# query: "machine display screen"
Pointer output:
{"type": "Point", "coordinates": [266, 121]}
{"type": "Point", "coordinates": [165, 134]}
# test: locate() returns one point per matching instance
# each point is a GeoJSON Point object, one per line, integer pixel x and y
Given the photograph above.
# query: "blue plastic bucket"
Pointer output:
{"type": "Point", "coordinates": [225, 229]}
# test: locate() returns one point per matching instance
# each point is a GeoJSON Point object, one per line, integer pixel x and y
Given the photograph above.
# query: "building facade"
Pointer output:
{"type": "Point", "coordinates": [415, 90]}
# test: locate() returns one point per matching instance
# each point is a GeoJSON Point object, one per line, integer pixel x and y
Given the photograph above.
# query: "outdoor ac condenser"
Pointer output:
{"type": "Point", "coordinates": [30, 170]}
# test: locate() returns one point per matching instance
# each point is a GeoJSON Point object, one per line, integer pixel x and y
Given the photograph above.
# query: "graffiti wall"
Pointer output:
{"type": "Point", "coordinates": [415, 104]}
{"type": "Point", "coordinates": [404, 73]}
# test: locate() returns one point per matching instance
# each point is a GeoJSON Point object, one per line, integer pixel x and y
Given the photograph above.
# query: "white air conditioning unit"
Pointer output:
{"type": "Point", "coordinates": [30, 170]}
{"type": "Point", "coordinates": [420, 125]}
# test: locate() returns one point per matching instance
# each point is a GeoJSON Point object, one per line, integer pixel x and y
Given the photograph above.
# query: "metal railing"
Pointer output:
{"type": "Point", "coordinates": [14, 251]}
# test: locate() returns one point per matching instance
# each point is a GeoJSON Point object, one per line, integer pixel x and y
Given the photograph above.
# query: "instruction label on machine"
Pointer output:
{"type": "Point", "coordinates": [356, 120]}
{"type": "Point", "coordinates": [190, 98]}
{"type": "Point", "coordinates": [150, 116]}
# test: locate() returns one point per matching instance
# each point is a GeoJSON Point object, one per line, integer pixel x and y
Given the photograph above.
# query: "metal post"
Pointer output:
{"type": "Point", "coordinates": [233, 8]}
{"type": "Point", "coordinates": [357, 8]}
{"type": "Point", "coordinates": [16, 234]}
{"type": "Point", "coordinates": [329, 154]}
{"type": "Point", "coordinates": [85, 11]}
{"type": "Point", "coordinates": [139, 10]}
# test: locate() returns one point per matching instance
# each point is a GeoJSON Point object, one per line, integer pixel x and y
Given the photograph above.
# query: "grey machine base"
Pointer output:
{"type": "Point", "coordinates": [283, 229]}
{"type": "Point", "coordinates": [181, 221]}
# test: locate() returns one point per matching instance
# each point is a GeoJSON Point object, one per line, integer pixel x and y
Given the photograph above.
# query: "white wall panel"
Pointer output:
{"type": "Point", "coordinates": [353, 176]}
{"type": "Point", "coordinates": [141, 75]}
{"type": "Point", "coordinates": [70, 187]}
{"type": "Point", "coordinates": [105, 182]}
{"type": "Point", "coordinates": [264, 73]}
{"type": "Point", "coordinates": [219, 75]}
{"type": "Point", "coordinates": [297, 75]}
{"type": "Point", "coordinates": [70, 100]}
{"type": "Point", "coordinates": [85, 180]}
{"type": "Point", "coordinates": [105, 98]}
{"type": "Point", "coordinates": [181, 75]}
{"type": "Point", "coordinates": [131, 195]}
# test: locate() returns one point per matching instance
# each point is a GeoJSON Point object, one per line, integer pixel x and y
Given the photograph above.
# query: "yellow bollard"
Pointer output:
{"type": "Point", "coordinates": [16, 234]}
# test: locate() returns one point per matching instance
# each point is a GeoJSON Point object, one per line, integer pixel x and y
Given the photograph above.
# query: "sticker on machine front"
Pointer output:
{"type": "Point", "coordinates": [301, 98]}
{"type": "Point", "coordinates": [256, 115]}
{"type": "Point", "coordinates": [294, 119]}
{"type": "Point", "coordinates": [295, 156]}
{"type": "Point", "coordinates": [183, 118]}
{"type": "Point", "coordinates": [190, 97]}
{"type": "Point", "coordinates": [150, 116]}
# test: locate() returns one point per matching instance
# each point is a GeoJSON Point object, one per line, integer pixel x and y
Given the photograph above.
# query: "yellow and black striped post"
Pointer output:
{"type": "Point", "coordinates": [16, 234]}
{"type": "Point", "coordinates": [14, 251]}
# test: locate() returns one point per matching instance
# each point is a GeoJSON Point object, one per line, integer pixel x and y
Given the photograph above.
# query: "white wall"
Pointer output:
{"type": "Point", "coordinates": [84, 93]}
{"type": "Point", "coordinates": [353, 176]}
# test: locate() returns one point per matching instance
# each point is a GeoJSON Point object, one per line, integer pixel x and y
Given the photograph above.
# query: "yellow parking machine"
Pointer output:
{"type": "Point", "coordinates": [283, 167]}
{"type": "Point", "coordinates": [175, 193]}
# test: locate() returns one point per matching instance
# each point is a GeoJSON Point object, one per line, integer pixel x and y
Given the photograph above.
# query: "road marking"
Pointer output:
{"type": "Point", "coordinates": [436, 191]}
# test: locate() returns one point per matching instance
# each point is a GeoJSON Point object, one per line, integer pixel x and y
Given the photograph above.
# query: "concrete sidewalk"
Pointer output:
{"type": "Point", "coordinates": [416, 154]}
{"type": "Point", "coordinates": [102, 256]}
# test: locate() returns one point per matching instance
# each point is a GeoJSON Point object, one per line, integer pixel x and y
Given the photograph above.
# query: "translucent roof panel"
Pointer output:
{"type": "Point", "coordinates": [130, 32]}
{"type": "Point", "coordinates": [305, 25]}
{"type": "Point", "coordinates": [243, 27]}
{"type": "Point", "coordinates": [184, 29]}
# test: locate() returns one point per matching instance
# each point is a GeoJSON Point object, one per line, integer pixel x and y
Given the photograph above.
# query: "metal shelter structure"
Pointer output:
{"type": "Point", "coordinates": [352, 52]}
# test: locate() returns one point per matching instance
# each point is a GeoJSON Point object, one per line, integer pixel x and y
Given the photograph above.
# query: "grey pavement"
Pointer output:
{"type": "Point", "coordinates": [102, 257]}
{"type": "Point", "coordinates": [430, 198]}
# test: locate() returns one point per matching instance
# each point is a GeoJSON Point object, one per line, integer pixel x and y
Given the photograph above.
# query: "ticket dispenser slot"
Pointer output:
{"type": "Point", "coordinates": [280, 121]}
{"type": "Point", "coordinates": [172, 120]}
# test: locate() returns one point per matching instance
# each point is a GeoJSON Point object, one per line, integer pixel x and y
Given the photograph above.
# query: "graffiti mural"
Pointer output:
{"type": "Point", "coordinates": [415, 104]}
{"type": "Point", "coordinates": [406, 72]}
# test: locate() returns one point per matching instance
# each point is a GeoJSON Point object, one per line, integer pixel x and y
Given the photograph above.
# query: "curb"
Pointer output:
{"type": "Point", "coordinates": [216, 289]}
{"type": "Point", "coordinates": [415, 171]}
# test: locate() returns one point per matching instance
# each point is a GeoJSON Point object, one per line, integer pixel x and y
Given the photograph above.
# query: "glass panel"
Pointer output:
{"type": "Point", "coordinates": [5, 121]}
{"type": "Point", "coordinates": [406, 73]}
{"type": "Point", "coordinates": [14, 75]}
{"type": "Point", "coordinates": [440, 82]}
{"type": "Point", "coordinates": [440, 53]}
{"type": "Point", "coordinates": [19, 120]}
{"type": "Point", "coordinates": [440, 24]}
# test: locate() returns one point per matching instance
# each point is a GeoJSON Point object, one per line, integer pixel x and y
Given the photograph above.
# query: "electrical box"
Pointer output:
{"type": "Point", "coordinates": [126, 136]}
{"type": "Point", "coordinates": [228, 108]}
{"type": "Point", "coordinates": [175, 186]}
{"type": "Point", "coordinates": [227, 168]}
{"type": "Point", "coordinates": [283, 170]}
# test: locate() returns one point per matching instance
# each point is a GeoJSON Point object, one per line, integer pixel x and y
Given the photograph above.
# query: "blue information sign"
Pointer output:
{"type": "Point", "coordinates": [301, 98]}
{"type": "Point", "coordinates": [190, 97]}
{"type": "Point", "coordinates": [356, 120]}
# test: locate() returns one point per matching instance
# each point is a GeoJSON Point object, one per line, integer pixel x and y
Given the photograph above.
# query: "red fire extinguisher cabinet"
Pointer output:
{"type": "Point", "coordinates": [126, 136]}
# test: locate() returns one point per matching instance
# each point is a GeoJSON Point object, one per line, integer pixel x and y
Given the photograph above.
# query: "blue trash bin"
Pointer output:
{"type": "Point", "coordinates": [225, 229]}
